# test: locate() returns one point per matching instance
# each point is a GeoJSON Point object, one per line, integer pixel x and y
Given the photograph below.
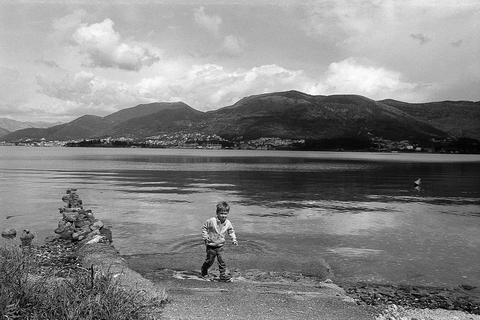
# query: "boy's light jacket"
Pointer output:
{"type": "Point", "coordinates": [214, 230]}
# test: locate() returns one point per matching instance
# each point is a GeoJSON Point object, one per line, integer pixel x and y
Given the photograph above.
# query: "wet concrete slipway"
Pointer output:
{"type": "Point", "coordinates": [252, 294]}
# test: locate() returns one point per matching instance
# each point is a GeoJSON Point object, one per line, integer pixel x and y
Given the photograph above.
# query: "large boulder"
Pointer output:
{"type": "Point", "coordinates": [9, 233]}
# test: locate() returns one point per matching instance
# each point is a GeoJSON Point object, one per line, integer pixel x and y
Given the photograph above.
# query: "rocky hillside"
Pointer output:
{"type": "Point", "coordinates": [294, 114]}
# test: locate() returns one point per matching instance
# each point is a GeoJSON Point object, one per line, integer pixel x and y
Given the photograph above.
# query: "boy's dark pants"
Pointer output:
{"type": "Point", "coordinates": [212, 253]}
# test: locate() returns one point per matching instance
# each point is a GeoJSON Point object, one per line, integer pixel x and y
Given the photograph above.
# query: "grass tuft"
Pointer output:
{"type": "Point", "coordinates": [29, 291]}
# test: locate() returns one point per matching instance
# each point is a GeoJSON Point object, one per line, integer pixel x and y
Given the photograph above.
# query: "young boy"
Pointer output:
{"type": "Point", "coordinates": [213, 233]}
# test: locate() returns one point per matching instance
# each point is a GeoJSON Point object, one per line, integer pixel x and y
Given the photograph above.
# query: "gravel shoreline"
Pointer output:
{"type": "Point", "coordinates": [462, 298]}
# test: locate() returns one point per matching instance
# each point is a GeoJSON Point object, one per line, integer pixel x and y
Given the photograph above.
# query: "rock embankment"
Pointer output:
{"type": "Point", "coordinates": [78, 224]}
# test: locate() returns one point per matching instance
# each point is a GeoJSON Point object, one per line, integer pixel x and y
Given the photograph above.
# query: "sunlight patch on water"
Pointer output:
{"type": "Point", "coordinates": [446, 205]}
{"type": "Point", "coordinates": [141, 189]}
{"type": "Point", "coordinates": [274, 214]}
{"type": "Point", "coordinates": [313, 208]}
{"type": "Point", "coordinates": [211, 185]}
{"type": "Point", "coordinates": [147, 183]}
{"type": "Point", "coordinates": [419, 198]}
{"type": "Point", "coordinates": [349, 251]}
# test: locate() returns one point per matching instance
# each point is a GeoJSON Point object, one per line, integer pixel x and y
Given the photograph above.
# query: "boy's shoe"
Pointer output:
{"type": "Point", "coordinates": [205, 276]}
{"type": "Point", "coordinates": [225, 279]}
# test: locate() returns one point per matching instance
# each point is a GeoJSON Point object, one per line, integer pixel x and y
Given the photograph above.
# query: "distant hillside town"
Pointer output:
{"type": "Point", "coordinates": [209, 142]}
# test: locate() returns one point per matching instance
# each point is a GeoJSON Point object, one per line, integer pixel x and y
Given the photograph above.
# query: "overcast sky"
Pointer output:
{"type": "Point", "coordinates": [63, 59]}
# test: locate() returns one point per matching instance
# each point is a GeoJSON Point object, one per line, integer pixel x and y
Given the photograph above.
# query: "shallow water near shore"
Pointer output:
{"type": "Point", "coordinates": [358, 212]}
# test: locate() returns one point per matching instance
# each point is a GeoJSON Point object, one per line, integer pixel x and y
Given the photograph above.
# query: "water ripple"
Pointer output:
{"type": "Point", "coordinates": [193, 244]}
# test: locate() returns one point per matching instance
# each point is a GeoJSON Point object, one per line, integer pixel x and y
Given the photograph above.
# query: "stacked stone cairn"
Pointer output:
{"type": "Point", "coordinates": [78, 224]}
{"type": "Point", "coordinates": [26, 237]}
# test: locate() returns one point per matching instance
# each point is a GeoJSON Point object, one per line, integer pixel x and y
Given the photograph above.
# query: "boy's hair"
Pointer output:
{"type": "Point", "coordinates": [222, 206]}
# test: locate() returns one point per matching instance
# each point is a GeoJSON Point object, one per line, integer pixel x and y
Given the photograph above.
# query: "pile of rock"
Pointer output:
{"type": "Point", "coordinates": [78, 224]}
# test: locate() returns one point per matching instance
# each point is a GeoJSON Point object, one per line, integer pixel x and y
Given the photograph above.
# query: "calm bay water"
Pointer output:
{"type": "Point", "coordinates": [358, 211]}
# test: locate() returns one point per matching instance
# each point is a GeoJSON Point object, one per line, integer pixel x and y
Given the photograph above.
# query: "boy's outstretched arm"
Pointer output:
{"type": "Point", "coordinates": [232, 235]}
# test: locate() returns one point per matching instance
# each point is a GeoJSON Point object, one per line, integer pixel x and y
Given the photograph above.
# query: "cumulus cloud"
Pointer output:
{"type": "Point", "coordinates": [210, 23]}
{"type": "Point", "coordinates": [103, 47]}
{"type": "Point", "coordinates": [350, 77]}
{"type": "Point", "coordinates": [420, 37]}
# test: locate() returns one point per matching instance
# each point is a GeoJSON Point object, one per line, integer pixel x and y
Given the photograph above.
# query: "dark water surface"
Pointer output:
{"type": "Point", "coordinates": [358, 211]}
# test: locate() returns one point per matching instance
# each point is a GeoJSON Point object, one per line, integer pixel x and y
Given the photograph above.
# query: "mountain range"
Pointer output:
{"type": "Point", "coordinates": [287, 115]}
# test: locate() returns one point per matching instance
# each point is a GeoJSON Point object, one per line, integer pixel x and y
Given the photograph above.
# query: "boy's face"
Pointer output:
{"type": "Point", "coordinates": [222, 216]}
